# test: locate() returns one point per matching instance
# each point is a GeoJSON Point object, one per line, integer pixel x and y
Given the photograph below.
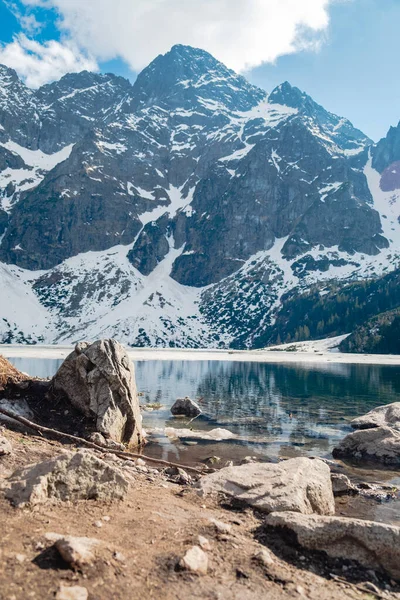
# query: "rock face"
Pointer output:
{"type": "Point", "coordinates": [99, 380]}
{"type": "Point", "coordinates": [186, 407]}
{"type": "Point", "coordinates": [298, 484]}
{"type": "Point", "coordinates": [372, 544]}
{"type": "Point", "coordinates": [387, 415]}
{"type": "Point", "coordinates": [380, 444]}
{"type": "Point", "coordinates": [79, 476]}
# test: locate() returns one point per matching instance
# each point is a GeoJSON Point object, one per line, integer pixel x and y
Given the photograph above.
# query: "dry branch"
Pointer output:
{"type": "Point", "coordinates": [78, 440]}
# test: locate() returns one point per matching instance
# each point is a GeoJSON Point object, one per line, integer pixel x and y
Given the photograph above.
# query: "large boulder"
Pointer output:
{"type": "Point", "coordinates": [380, 444]}
{"type": "Point", "coordinates": [298, 484]}
{"type": "Point", "coordinates": [387, 415]}
{"type": "Point", "coordinates": [374, 545]}
{"type": "Point", "coordinates": [79, 476]}
{"type": "Point", "coordinates": [99, 380]}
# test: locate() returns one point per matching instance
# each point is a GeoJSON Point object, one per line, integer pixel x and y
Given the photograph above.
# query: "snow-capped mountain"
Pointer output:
{"type": "Point", "coordinates": [183, 209]}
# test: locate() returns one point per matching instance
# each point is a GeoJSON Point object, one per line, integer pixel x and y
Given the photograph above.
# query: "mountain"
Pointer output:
{"type": "Point", "coordinates": [184, 210]}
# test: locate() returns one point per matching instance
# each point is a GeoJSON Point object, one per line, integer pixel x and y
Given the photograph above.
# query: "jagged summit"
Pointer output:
{"type": "Point", "coordinates": [184, 73]}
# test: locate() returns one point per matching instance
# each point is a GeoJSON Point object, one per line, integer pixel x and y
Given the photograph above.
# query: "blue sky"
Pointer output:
{"type": "Point", "coordinates": [351, 67]}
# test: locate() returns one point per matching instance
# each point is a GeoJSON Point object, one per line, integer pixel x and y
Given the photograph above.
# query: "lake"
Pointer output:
{"type": "Point", "coordinates": [276, 411]}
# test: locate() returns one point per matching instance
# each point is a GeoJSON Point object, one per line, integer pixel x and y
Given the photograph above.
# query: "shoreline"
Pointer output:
{"type": "Point", "coordinates": [39, 351]}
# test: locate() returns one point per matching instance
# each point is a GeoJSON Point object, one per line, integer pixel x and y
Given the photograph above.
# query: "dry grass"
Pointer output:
{"type": "Point", "coordinates": [9, 374]}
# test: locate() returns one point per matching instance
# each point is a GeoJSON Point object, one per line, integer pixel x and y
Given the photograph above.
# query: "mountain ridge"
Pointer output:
{"type": "Point", "coordinates": [181, 209]}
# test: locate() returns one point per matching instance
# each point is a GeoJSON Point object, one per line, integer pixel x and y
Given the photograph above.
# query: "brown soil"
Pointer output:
{"type": "Point", "coordinates": [151, 530]}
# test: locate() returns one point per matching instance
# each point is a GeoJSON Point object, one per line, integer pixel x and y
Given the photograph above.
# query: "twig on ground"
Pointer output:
{"type": "Point", "coordinates": [124, 455]}
{"type": "Point", "coordinates": [358, 587]}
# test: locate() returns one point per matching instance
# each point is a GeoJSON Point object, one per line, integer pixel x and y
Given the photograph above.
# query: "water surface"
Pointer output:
{"type": "Point", "coordinates": [276, 410]}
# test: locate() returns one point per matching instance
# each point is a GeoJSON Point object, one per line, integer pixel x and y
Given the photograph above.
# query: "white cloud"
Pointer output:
{"type": "Point", "coordinates": [241, 33]}
{"type": "Point", "coordinates": [40, 63]}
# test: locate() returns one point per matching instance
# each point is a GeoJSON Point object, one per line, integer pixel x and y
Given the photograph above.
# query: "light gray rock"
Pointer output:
{"type": "Point", "coordinates": [195, 560]}
{"type": "Point", "coordinates": [380, 444]}
{"type": "Point", "coordinates": [73, 592]}
{"type": "Point", "coordinates": [220, 526]}
{"type": "Point", "coordinates": [99, 380]}
{"type": "Point", "coordinates": [374, 545]}
{"type": "Point", "coordinates": [76, 551]}
{"type": "Point", "coordinates": [186, 407]}
{"type": "Point", "coordinates": [264, 557]}
{"type": "Point", "coordinates": [386, 415]}
{"type": "Point", "coordinates": [341, 485]}
{"type": "Point", "coordinates": [5, 446]}
{"type": "Point", "coordinates": [298, 484]}
{"type": "Point", "coordinates": [79, 476]}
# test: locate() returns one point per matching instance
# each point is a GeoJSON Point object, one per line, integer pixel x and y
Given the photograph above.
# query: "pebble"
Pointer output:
{"type": "Point", "coordinates": [98, 524]}
{"type": "Point", "coordinates": [75, 592]}
{"type": "Point", "coordinates": [264, 557]}
{"type": "Point", "coordinates": [5, 446]}
{"type": "Point", "coordinates": [195, 560]}
{"type": "Point", "coordinates": [220, 526]}
{"type": "Point", "coordinates": [21, 558]}
{"type": "Point", "coordinates": [106, 518]}
{"type": "Point", "coordinates": [140, 462]}
{"type": "Point", "coordinates": [204, 543]}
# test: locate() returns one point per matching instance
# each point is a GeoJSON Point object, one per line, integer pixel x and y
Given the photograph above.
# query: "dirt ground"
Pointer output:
{"type": "Point", "coordinates": [145, 536]}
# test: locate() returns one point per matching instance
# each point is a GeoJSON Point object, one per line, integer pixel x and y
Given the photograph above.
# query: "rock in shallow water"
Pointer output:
{"type": "Point", "coordinates": [386, 415]}
{"type": "Point", "coordinates": [372, 544]}
{"type": "Point", "coordinates": [186, 407]}
{"type": "Point", "coordinates": [99, 380]}
{"type": "Point", "coordinates": [380, 444]}
{"type": "Point", "coordinates": [79, 476]}
{"type": "Point", "coordinates": [297, 484]}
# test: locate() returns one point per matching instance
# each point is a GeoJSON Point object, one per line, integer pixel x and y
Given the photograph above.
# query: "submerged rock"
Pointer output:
{"type": "Point", "coordinates": [297, 484]}
{"type": "Point", "coordinates": [216, 435]}
{"type": "Point", "coordinates": [380, 444]}
{"type": "Point", "coordinates": [99, 380]}
{"type": "Point", "coordinates": [79, 476]}
{"type": "Point", "coordinates": [386, 415]}
{"type": "Point", "coordinates": [372, 544]}
{"type": "Point", "coordinates": [186, 407]}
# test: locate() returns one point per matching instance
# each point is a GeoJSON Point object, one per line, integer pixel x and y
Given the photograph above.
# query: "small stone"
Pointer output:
{"type": "Point", "coordinates": [75, 592]}
{"type": "Point", "coordinates": [21, 558]}
{"type": "Point", "coordinates": [204, 543]}
{"type": "Point", "coordinates": [76, 551]}
{"type": "Point", "coordinates": [5, 446]}
{"type": "Point", "coordinates": [264, 557]}
{"type": "Point", "coordinates": [98, 524]}
{"type": "Point", "coordinates": [106, 518]}
{"type": "Point", "coordinates": [195, 560]}
{"type": "Point", "coordinates": [140, 462]}
{"type": "Point", "coordinates": [98, 438]}
{"type": "Point", "coordinates": [119, 557]}
{"type": "Point", "coordinates": [300, 590]}
{"type": "Point", "coordinates": [220, 526]}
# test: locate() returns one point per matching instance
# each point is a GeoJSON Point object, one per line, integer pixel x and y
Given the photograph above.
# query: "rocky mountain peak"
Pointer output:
{"type": "Point", "coordinates": [7, 76]}
{"type": "Point", "coordinates": [185, 73]}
